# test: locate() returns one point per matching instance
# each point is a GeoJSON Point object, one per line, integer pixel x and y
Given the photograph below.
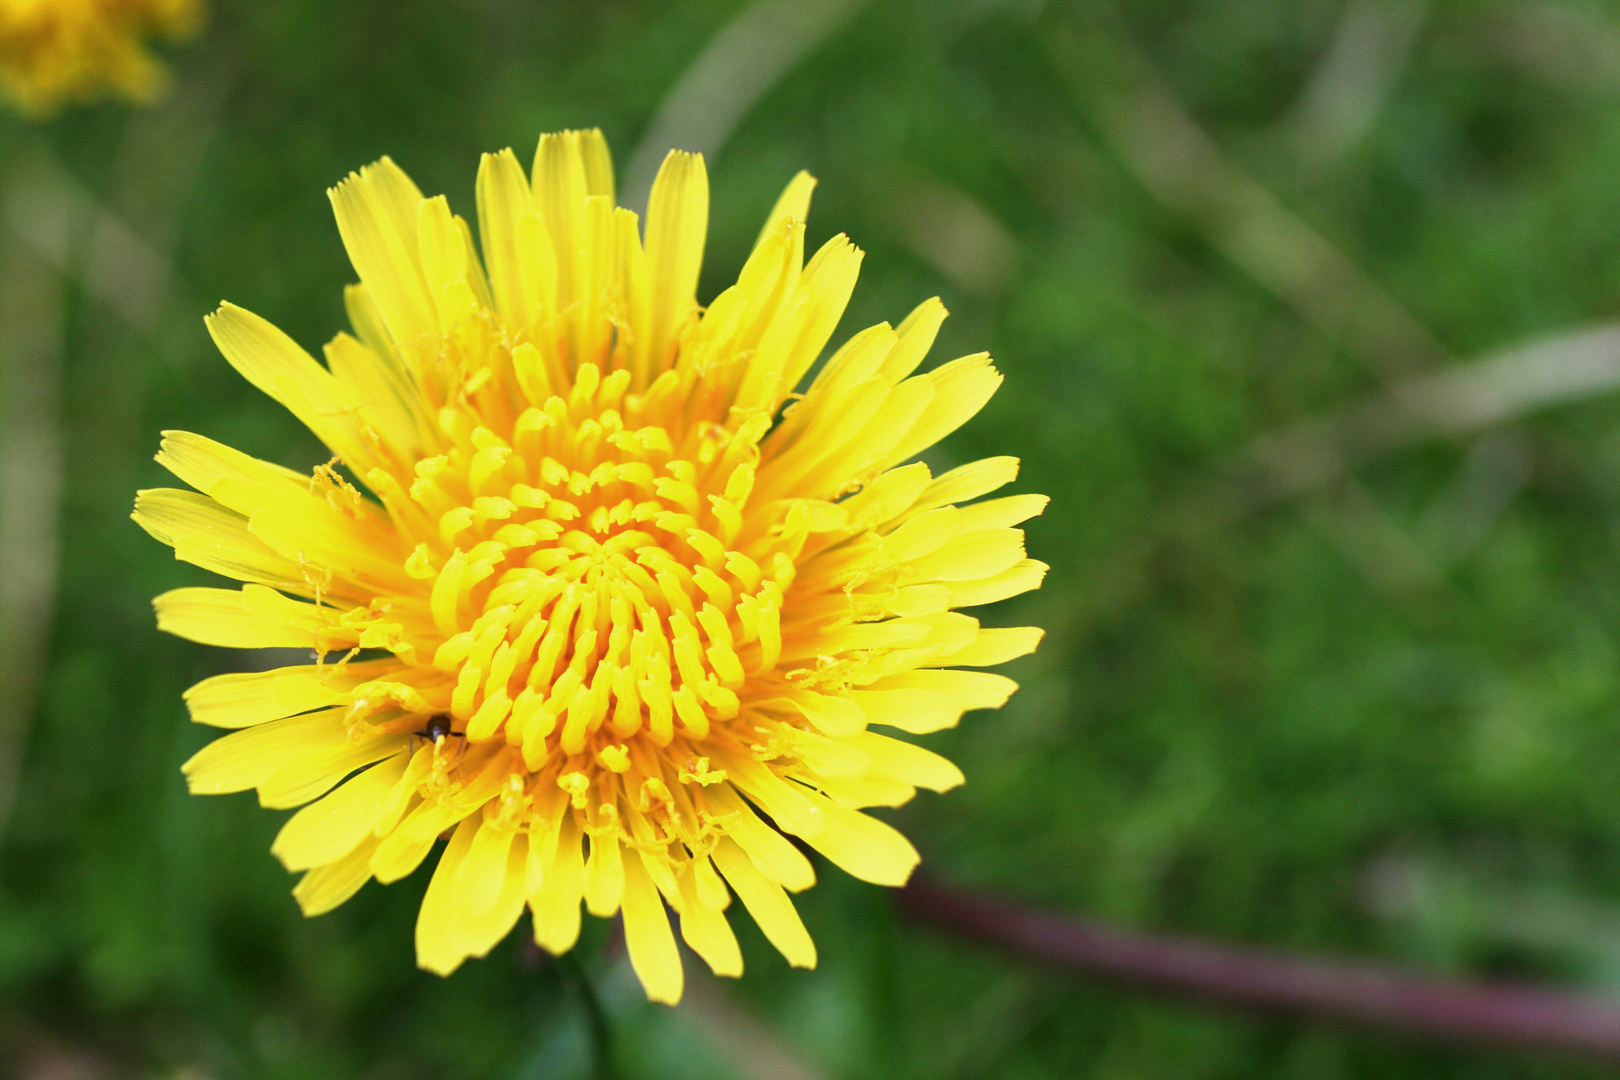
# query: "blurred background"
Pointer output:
{"type": "Point", "coordinates": [1310, 316]}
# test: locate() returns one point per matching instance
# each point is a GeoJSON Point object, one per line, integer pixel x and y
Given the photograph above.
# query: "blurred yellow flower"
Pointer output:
{"type": "Point", "coordinates": [611, 616]}
{"type": "Point", "coordinates": [56, 51]}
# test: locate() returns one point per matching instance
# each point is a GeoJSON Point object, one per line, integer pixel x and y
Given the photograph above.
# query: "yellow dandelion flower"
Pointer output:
{"type": "Point", "coordinates": [54, 51]}
{"type": "Point", "coordinates": [619, 609]}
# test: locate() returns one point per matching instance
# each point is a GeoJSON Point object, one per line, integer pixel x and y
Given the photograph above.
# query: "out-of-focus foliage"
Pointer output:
{"type": "Point", "coordinates": [1371, 710]}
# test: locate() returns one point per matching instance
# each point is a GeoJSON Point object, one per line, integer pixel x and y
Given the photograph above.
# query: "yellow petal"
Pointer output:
{"type": "Point", "coordinates": [908, 763]}
{"type": "Point", "coordinates": [706, 930]}
{"type": "Point", "coordinates": [961, 389]}
{"type": "Point", "coordinates": [483, 871]}
{"type": "Point", "coordinates": [826, 757]}
{"type": "Point", "coordinates": [996, 646]}
{"type": "Point", "coordinates": [789, 805]}
{"type": "Point", "coordinates": [797, 336]}
{"type": "Point", "coordinates": [561, 186]}
{"type": "Point", "coordinates": [767, 903]}
{"type": "Point", "coordinates": [847, 440]}
{"type": "Point", "coordinates": [633, 293]}
{"type": "Point", "coordinates": [968, 482]}
{"type": "Point", "coordinates": [367, 321]}
{"type": "Point", "coordinates": [860, 792]}
{"type": "Point", "coordinates": [437, 933]}
{"type": "Point", "coordinates": [924, 533]}
{"type": "Point", "coordinates": [389, 398]}
{"type": "Point", "coordinates": [830, 714]}
{"type": "Point", "coordinates": [555, 901]}
{"type": "Point", "coordinates": [303, 526]}
{"type": "Point", "coordinates": [325, 887]}
{"type": "Point", "coordinates": [206, 534]}
{"type": "Point", "coordinates": [863, 846]}
{"type": "Point", "coordinates": [916, 711]}
{"type": "Point", "coordinates": [915, 337]}
{"type": "Point", "coordinates": [949, 632]}
{"type": "Point", "coordinates": [376, 215]}
{"type": "Point", "coordinates": [827, 284]}
{"type": "Point", "coordinates": [273, 362]}
{"type": "Point", "coordinates": [858, 359]}
{"type": "Point", "coordinates": [430, 817]}
{"type": "Point", "coordinates": [476, 281]}
{"type": "Point", "coordinates": [504, 197]}
{"type": "Point", "coordinates": [968, 689]}
{"type": "Point", "coordinates": [325, 831]}
{"type": "Point", "coordinates": [405, 796]}
{"type": "Point", "coordinates": [912, 600]}
{"type": "Point", "coordinates": [487, 894]}
{"type": "Point", "coordinates": [399, 853]}
{"type": "Point", "coordinates": [1027, 574]}
{"type": "Point", "coordinates": [600, 287]}
{"type": "Point", "coordinates": [598, 162]}
{"type": "Point", "coordinates": [707, 885]}
{"type": "Point", "coordinates": [768, 850]}
{"type": "Point", "coordinates": [766, 289]}
{"type": "Point", "coordinates": [891, 634]}
{"type": "Point", "coordinates": [219, 617]}
{"type": "Point", "coordinates": [677, 226]}
{"type": "Point", "coordinates": [311, 773]}
{"type": "Point", "coordinates": [604, 876]}
{"type": "Point", "coordinates": [242, 699]}
{"type": "Point", "coordinates": [1002, 513]}
{"type": "Point", "coordinates": [443, 258]}
{"type": "Point", "coordinates": [892, 493]}
{"type": "Point", "coordinates": [648, 938]}
{"type": "Point", "coordinates": [793, 205]}
{"type": "Point", "coordinates": [243, 759]}
{"type": "Point", "coordinates": [203, 463]}
{"type": "Point", "coordinates": [970, 556]}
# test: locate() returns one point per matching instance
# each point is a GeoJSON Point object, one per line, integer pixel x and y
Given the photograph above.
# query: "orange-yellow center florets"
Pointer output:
{"type": "Point", "coordinates": [601, 587]}
{"type": "Point", "coordinates": [595, 597]}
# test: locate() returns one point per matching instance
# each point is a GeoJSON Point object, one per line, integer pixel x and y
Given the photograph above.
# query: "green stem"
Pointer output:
{"type": "Point", "coordinates": [595, 1016]}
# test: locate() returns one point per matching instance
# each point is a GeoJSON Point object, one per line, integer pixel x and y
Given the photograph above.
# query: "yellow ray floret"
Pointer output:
{"type": "Point", "coordinates": [56, 51]}
{"type": "Point", "coordinates": [614, 612]}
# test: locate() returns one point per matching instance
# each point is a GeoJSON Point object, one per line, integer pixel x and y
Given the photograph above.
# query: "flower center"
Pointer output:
{"type": "Point", "coordinates": [594, 575]}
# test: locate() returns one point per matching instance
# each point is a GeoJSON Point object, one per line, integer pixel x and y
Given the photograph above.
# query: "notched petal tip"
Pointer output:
{"type": "Point", "coordinates": [792, 205]}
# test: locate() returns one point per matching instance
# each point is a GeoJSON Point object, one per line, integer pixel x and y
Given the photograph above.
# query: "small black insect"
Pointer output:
{"type": "Point", "coordinates": [437, 729]}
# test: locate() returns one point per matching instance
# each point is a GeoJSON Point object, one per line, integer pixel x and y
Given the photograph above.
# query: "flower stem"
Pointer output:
{"type": "Point", "coordinates": [1370, 995]}
{"type": "Point", "coordinates": [595, 1016]}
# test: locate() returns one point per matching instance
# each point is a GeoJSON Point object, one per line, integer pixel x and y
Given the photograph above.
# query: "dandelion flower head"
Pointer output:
{"type": "Point", "coordinates": [610, 606]}
{"type": "Point", "coordinates": [56, 51]}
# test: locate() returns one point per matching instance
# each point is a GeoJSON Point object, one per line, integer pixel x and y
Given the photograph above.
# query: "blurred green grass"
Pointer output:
{"type": "Point", "coordinates": [1380, 716]}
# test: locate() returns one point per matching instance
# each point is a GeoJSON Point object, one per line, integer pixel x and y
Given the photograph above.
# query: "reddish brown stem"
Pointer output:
{"type": "Point", "coordinates": [1373, 995]}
